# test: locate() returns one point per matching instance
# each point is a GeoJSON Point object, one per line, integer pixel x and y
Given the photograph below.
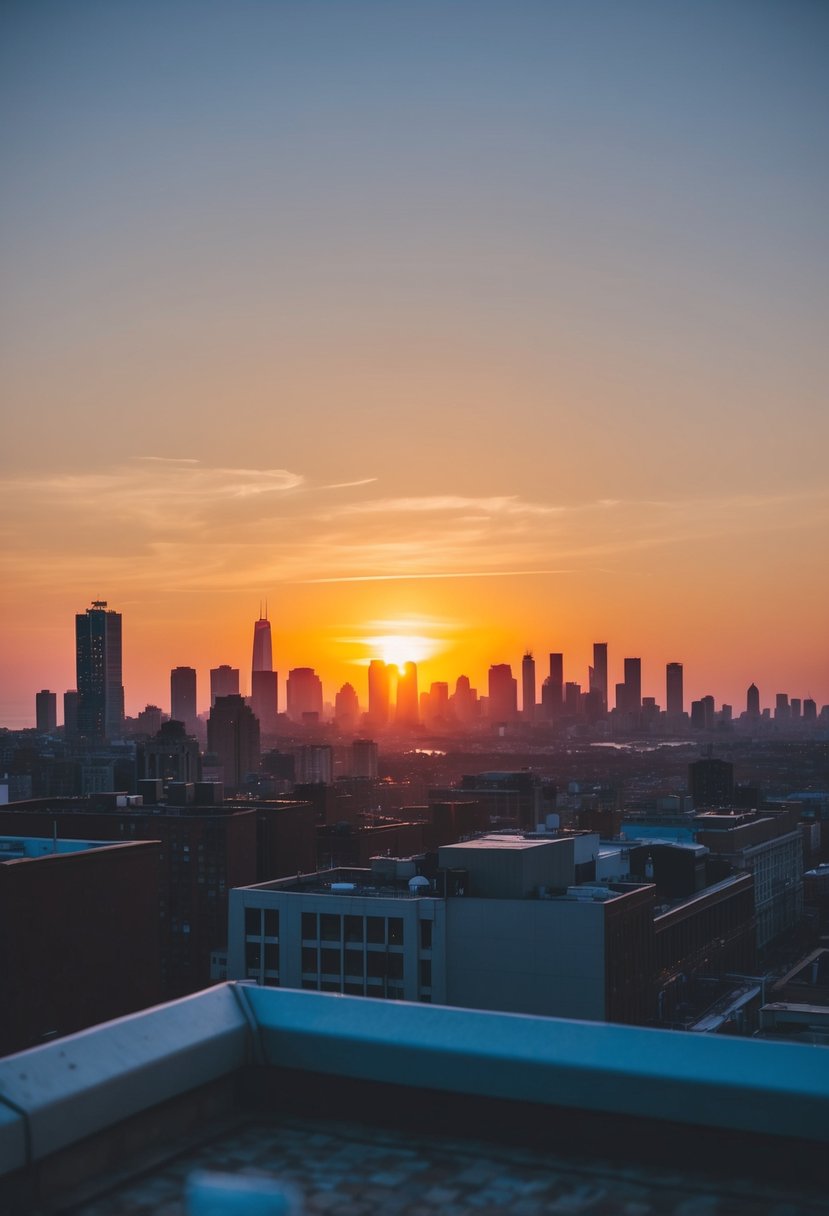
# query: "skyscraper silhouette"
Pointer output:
{"type": "Point", "coordinates": [263, 678]}
{"type": "Point", "coordinates": [633, 686]}
{"type": "Point", "coordinates": [753, 701]}
{"type": "Point", "coordinates": [408, 710]}
{"type": "Point", "coordinates": [552, 692]}
{"type": "Point", "coordinates": [674, 701]}
{"type": "Point", "coordinates": [599, 681]}
{"type": "Point", "coordinates": [503, 693]}
{"type": "Point", "coordinates": [224, 682]}
{"type": "Point", "coordinates": [183, 697]}
{"type": "Point", "coordinates": [378, 693]}
{"type": "Point", "coordinates": [46, 711]}
{"type": "Point", "coordinates": [528, 687]}
{"type": "Point", "coordinates": [233, 734]}
{"type": "Point", "coordinates": [98, 667]}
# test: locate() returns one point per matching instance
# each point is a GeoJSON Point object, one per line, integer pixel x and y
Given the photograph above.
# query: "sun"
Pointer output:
{"type": "Point", "coordinates": [401, 648]}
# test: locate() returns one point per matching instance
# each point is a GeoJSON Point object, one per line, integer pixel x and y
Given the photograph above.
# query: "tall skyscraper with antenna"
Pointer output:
{"type": "Point", "coordinates": [264, 692]}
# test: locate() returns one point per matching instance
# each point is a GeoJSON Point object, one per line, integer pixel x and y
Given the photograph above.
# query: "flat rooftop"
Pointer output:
{"type": "Point", "coordinates": [370, 1108]}
{"type": "Point", "coordinates": [505, 843]}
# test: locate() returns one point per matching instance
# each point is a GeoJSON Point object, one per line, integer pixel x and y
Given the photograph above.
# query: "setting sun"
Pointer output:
{"type": "Point", "coordinates": [402, 648]}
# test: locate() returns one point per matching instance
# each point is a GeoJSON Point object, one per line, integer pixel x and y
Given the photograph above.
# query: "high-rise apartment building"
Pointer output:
{"type": "Point", "coordinates": [98, 667]}
{"type": "Point", "coordinates": [753, 701]}
{"type": "Point", "coordinates": [674, 701]}
{"type": "Point", "coordinates": [183, 697]}
{"type": "Point", "coordinates": [46, 711]}
{"type": "Point", "coordinates": [263, 679]}
{"type": "Point", "coordinates": [224, 682]}
{"type": "Point", "coordinates": [347, 708]}
{"type": "Point", "coordinates": [528, 687]}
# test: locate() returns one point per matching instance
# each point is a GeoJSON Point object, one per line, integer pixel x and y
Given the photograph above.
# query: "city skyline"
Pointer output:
{"type": "Point", "coordinates": [305, 690]}
{"type": "Point", "coordinates": [496, 327]}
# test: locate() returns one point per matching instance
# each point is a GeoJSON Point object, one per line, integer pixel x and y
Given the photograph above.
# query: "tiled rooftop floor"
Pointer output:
{"type": "Point", "coordinates": [351, 1169]}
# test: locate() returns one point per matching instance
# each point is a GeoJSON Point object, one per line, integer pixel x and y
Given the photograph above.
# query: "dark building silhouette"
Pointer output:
{"type": "Point", "coordinates": [70, 713]}
{"type": "Point", "coordinates": [711, 782]}
{"type": "Point", "coordinates": [378, 693]}
{"type": "Point", "coordinates": [408, 712]}
{"type": "Point", "coordinates": [347, 708]}
{"type": "Point", "coordinates": [503, 693]}
{"type": "Point", "coordinates": [98, 666]}
{"type": "Point", "coordinates": [303, 694]}
{"type": "Point", "coordinates": [753, 701]}
{"type": "Point", "coordinates": [782, 709]}
{"type": "Point", "coordinates": [632, 687]}
{"type": "Point", "coordinates": [598, 682]}
{"type": "Point", "coordinates": [552, 693]}
{"type": "Point", "coordinates": [183, 707]}
{"type": "Point", "coordinates": [263, 679]}
{"type": "Point", "coordinates": [206, 850]}
{"type": "Point", "coordinates": [674, 700]}
{"type": "Point", "coordinates": [528, 687]}
{"type": "Point", "coordinates": [79, 939]}
{"type": "Point", "coordinates": [172, 755]}
{"type": "Point", "coordinates": [233, 734]}
{"type": "Point", "coordinates": [46, 711]}
{"type": "Point", "coordinates": [224, 682]}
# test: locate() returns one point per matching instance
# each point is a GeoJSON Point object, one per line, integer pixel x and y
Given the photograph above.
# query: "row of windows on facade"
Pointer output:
{"type": "Point", "coordinates": [334, 966]}
{"type": "Point", "coordinates": [329, 927]}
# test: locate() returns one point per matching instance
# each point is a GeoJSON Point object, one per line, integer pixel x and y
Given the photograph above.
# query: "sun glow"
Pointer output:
{"type": "Point", "coordinates": [399, 649]}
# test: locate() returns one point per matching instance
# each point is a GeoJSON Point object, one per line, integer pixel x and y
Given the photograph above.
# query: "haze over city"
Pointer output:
{"type": "Point", "coordinates": [498, 329]}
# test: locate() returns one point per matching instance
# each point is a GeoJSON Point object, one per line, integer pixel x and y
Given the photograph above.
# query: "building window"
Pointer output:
{"type": "Point", "coordinates": [309, 959]}
{"type": "Point", "coordinates": [395, 967]}
{"type": "Point", "coordinates": [271, 956]}
{"type": "Point", "coordinates": [330, 962]}
{"type": "Point", "coordinates": [330, 930]}
{"type": "Point", "coordinates": [309, 926]}
{"type": "Point", "coordinates": [353, 989]}
{"type": "Point", "coordinates": [312, 985]}
{"type": "Point", "coordinates": [376, 965]}
{"type": "Point", "coordinates": [253, 922]}
{"type": "Point", "coordinates": [395, 930]}
{"type": "Point", "coordinates": [271, 922]}
{"type": "Point", "coordinates": [375, 930]}
{"type": "Point", "coordinates": [330, 986]}
{"type": "Point", "coordinates": [426, 935]}
{"type": "Point", "coordinates": [354, 962]}
{"type": "Point", "coordinates": [271, 981]}
{"type": "Point", "coordinates": [253, 956]}
{"type": "Point", "coordinates": [426, 973]}
{"type": "Point", "coordinates": [353, 928]}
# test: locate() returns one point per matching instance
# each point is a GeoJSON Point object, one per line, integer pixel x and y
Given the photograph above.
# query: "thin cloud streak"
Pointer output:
{"type": "Point", "coordinates": [385, 578]}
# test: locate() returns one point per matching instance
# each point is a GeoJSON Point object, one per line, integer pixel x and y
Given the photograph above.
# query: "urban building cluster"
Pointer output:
{"type": "Point", "coordinates": [634, 882]}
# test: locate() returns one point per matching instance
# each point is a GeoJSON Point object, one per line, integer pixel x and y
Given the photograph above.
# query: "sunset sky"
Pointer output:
{"type": "Point", "coordinates": [497, 325]}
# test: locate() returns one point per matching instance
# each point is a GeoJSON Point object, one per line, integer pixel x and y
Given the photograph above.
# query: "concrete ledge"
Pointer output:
{"type": "Point", "coordinates": [13, 1154]}
{"type": "Point", "coordinates": [739, 1085]}
{"type": "Point", "coordinates": [67, 1090]}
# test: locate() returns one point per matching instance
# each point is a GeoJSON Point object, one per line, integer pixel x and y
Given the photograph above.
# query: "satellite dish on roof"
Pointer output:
{"type": "Point", "coordinates": [419, 883]}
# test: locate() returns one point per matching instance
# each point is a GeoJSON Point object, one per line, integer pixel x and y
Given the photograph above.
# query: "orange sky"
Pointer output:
{"type": "Point", "coordinates": [503, 325]}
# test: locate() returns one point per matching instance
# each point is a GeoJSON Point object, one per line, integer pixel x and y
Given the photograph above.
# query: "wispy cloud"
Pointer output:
{"type": "Point", "coordinates": [445, 503]}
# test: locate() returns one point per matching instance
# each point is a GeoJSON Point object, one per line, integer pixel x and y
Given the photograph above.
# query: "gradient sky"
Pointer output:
{"type": "Point", "coordinates": [500, 324]}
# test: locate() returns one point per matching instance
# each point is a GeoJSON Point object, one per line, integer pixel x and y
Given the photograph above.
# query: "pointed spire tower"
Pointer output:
{"type": "Point", "coordinates": [263, 680]}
